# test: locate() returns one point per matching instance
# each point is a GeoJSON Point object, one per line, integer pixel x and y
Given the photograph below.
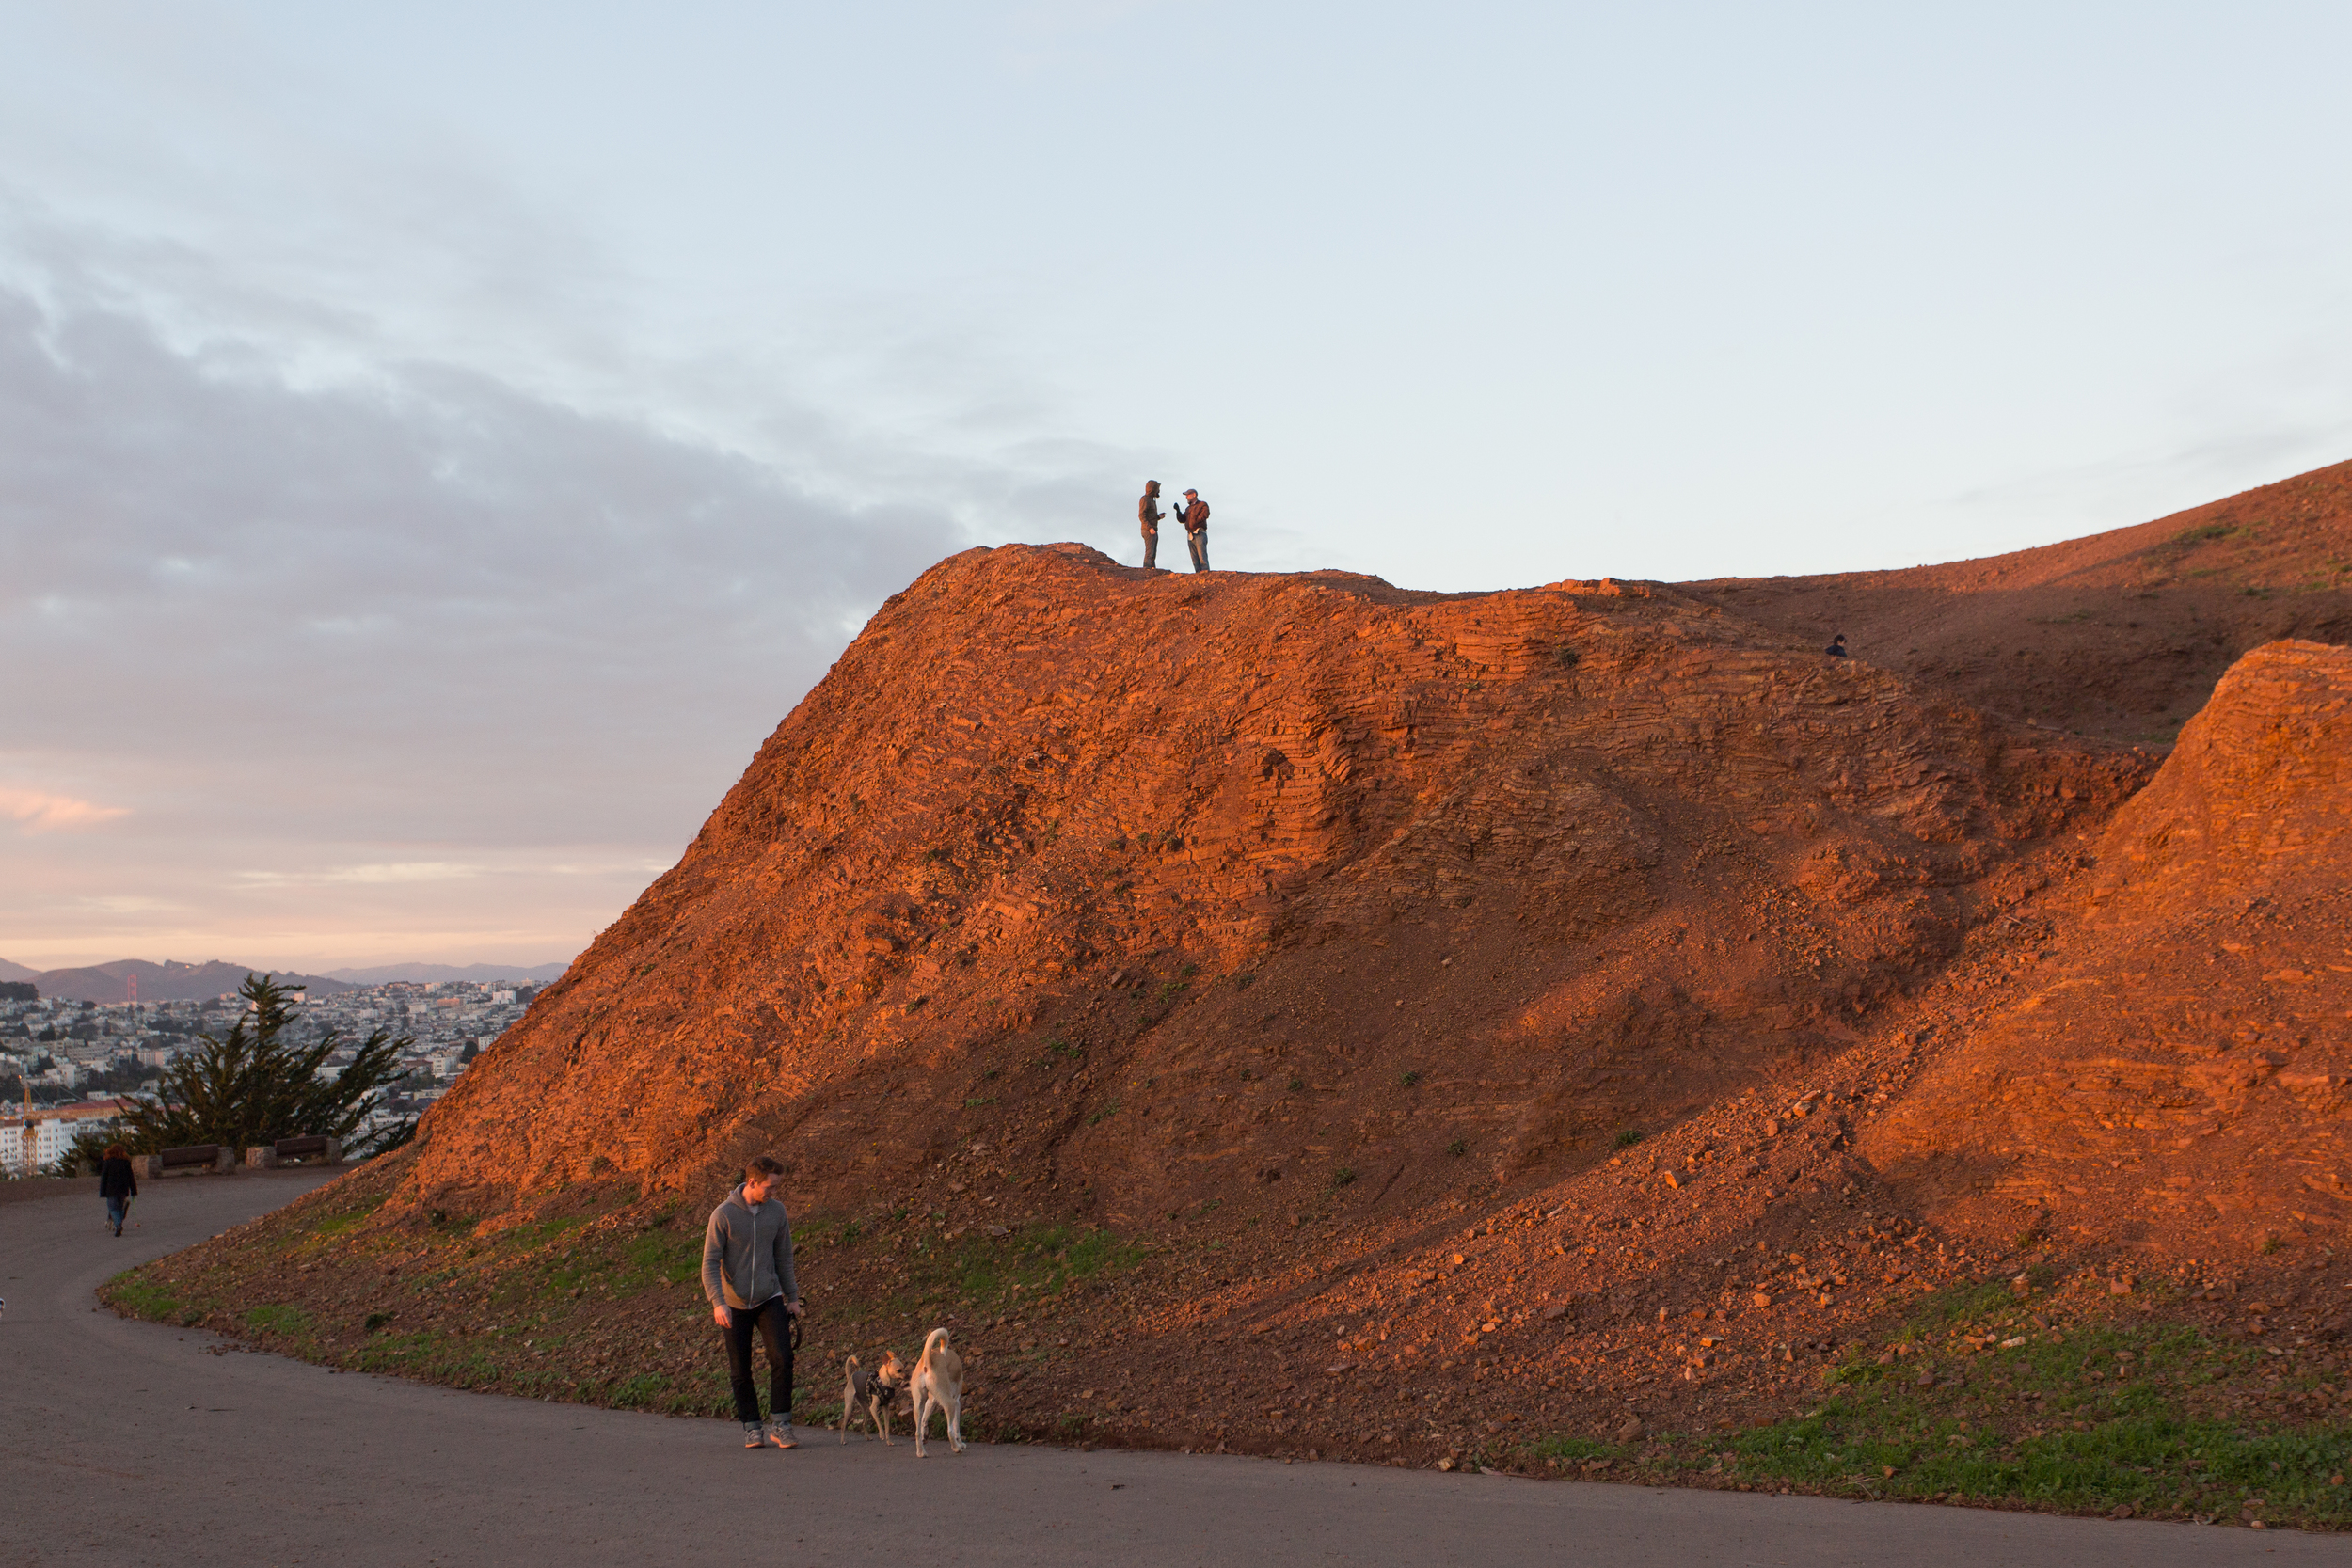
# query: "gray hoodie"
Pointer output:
{"type": "Point", "coordinates": [747, 1252]}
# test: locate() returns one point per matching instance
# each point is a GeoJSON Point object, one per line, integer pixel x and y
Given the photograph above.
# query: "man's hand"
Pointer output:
{"type": "Point", "coordinates": [793, 1306]}
{"type": "Point", "coordinates": [721, 1316]}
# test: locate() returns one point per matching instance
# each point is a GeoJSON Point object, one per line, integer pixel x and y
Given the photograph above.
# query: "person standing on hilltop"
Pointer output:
{"type": "Point", "coordinates": [1148, 513]}
{"type": "Point", "coordinates": [117, 1184]}
{"type": "Point", "coordinates": [747, 1274]}
{"type": "Point", "coordinates": [1194, 513]}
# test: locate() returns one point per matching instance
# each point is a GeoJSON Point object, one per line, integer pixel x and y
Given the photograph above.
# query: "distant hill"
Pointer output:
{"type": "Point", "coordinates": [15, 972]}
{"type": "Point", "coordinates": [165, 982]}
{"type": "Point", "coordinates": [384, 973]}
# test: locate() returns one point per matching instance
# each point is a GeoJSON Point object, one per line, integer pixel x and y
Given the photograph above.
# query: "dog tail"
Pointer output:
{"type": "Point", "coordinates": [849, 1363]}
{"type": "Point", "coordinates": [938, 1340]}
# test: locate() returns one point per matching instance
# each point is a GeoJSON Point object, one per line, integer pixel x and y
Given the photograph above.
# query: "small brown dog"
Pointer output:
{"type": "Point", "coordinates": [875, 1391]}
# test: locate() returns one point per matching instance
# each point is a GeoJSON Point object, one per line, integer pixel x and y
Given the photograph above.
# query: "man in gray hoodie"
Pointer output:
{"type": "Point", "coordinates": [747, 1274]}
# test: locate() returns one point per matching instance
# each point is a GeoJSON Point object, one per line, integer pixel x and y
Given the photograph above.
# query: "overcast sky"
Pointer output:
{"type": "Point", "coordinates": [438, 442]}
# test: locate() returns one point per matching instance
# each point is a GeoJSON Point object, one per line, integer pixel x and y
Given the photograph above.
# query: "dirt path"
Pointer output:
{"type": "Point", "coordinates": [131, 1443]}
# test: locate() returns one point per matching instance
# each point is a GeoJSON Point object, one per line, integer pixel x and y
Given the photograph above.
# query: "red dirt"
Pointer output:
{"type": "Point", "coordinates": [2120, 635]}
{"type": "Point", "coordinates": [1327, 936]}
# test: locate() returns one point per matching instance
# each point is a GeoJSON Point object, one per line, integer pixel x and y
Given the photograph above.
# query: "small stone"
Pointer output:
{"type": "Point", "coordinates": [1761, 1299]}
{"type": "Point", "coordinates": [1633, 1431]}
{"type": "Point", "coordinates": [2122, 1285]}
{"type": "Point", "coordinates": [1446, 1463]}
{"type": "Point", "coordinates": [1927, 1377]}
{"type": "Point", "coordinates": [2121, 1511]}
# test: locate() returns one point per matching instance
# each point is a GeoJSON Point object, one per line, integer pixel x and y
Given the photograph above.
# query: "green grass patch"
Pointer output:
{"type": "Point", "coordinates": [1972, 1400]}
{"type": "Point", "coordinates": [143, 1298]}
{"type": "Point", "coordinates": [278, 1318]}
{"type": "Point", "coordinates": [1041, 1260]}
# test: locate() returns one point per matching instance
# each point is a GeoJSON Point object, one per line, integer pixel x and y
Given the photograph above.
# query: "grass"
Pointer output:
{"type": "Point", "coordinates": [2117, 1414]}
{"type": "Point", "coordinates": [144, 1298]}
{"type": "Point", "coordinates": [278, 1318]}
{"type": "Point", "coordinates": [1042, 1260]}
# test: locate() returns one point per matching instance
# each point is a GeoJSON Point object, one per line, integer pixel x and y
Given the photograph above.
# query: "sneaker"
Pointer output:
{"type": "Point", "coordinates": [780, 1434]}
{"type": "Point", "coordinates": [753, 1437]}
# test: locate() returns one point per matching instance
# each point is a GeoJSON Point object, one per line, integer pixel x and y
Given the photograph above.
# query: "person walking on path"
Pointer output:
{"type": "Point", "coordinates": [747, 1274]}
{"type": "Point", "coordinates": [1148, 513]}
{"type": "Point", "coordinates": [117, 1184]}
{"type": "Point", "coordinates": [1195, 516]}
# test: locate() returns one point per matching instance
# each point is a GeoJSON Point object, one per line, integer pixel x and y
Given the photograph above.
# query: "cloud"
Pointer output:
{"type": "Point", "coordinates": [39, 811]}
{"type": "Point", "coordinates": [398, 871]}
{"type": "Point", "coordinates": [384, 635]}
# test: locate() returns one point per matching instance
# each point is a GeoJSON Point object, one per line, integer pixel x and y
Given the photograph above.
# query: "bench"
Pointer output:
{"type": "Point", "coordinates": [310, 1151]}
{"type": "Point", "coordinates": [191, 1160]}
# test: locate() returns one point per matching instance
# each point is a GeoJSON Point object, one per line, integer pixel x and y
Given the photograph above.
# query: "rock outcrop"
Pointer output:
{"type": "Point", "coordinates": [2176, 1074]}
{"type": "Point", "coordinates": [1157, 888]}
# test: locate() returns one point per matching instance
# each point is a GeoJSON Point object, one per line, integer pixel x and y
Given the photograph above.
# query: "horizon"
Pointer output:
{"type": "Point", "coordinates": [318, 969]}
{"type": "Point", "coordinates": [442, 447]}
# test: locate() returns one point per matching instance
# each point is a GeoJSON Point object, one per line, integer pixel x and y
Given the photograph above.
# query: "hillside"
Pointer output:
{"type": "Point", "coordinates": [1562, 1028]}
{"type": "Point", "coordinates": [2120, 635]}
{"type": "Point", "coordinates": [2175, 1075]}
{"type": "Point", "coordinates": [1517, 843]}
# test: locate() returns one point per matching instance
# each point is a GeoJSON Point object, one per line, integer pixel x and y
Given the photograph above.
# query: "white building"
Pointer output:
{"type": "Point", "coordinates": [52, 1132]}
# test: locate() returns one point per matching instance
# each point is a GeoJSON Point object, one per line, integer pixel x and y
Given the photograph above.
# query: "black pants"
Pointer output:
{"type": "Point", "coordinates": [774, 1326]}
{"type": "Point", "coordinates": [1198, 542]}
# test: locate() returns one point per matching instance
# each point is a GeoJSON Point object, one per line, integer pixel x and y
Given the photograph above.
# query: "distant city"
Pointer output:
{"type": "Point", "coordinates": [66, 1063]}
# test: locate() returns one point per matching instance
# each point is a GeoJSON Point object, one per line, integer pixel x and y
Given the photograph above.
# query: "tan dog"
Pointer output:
{"type": "Point", "coordinates": [939, 1386]}
{"type": "Point", "coordinates": [877, 1392]}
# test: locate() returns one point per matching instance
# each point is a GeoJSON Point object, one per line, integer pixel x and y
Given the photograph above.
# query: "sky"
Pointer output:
{"type": "Point", "coordinates": [438, 443]}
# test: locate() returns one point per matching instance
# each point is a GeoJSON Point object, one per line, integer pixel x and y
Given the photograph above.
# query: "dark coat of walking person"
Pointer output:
{"type": "Point", "coordinates": [747, 1274]}
{"type": "Point", "coordinates": [117, 1184]}
{"type": "Point", "coordinates": [1148, 513]}
{"type": "Point", "coordinates": [1194, 514]}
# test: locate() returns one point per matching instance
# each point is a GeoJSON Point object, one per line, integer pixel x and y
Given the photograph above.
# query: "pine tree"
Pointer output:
{"type": "Point", "coordinates": [254, 1087]}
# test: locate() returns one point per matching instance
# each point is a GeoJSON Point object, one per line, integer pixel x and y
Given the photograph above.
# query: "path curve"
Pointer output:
{"type": "Point", "coordinates": [131, 1444]}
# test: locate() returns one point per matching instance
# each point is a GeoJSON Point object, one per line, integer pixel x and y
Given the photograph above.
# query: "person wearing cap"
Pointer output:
{"type": "Point", "coordinates": [1194, 514]}
{"type": "Point", "coordinates": [1148, 513]}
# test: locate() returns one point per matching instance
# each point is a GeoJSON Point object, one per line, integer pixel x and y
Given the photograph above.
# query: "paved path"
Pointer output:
{"type": "Point", "coordinates": [126, 1444]}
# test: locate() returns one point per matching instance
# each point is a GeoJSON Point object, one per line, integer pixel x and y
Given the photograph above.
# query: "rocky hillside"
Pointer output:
{"type": "Point", "coordinates": [2120, 635]}
{"type": "Point", "coordinates": [2176, 1071]}
{"type": "Point", "coordinates": [1160, 888]}
{"type": "Point", "coordinates": [1578, 1029]}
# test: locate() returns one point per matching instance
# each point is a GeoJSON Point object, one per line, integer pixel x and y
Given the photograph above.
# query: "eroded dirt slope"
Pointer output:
{"type": "Point", "coordinates": [2120, 635]}
{"type": "Point", "coordinates": [2177, 1072]}
{"type": "Point", "coordinates": [1159, 888]}
{"type": "Point", "coordinates": [1297, 1014]}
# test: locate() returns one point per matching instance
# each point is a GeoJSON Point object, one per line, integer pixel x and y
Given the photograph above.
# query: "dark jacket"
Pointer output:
{"type": "Point", "coordinates": [116, 1179]}
{"type": "Point", "coordinates": [1148, 513]}
{"type": "Point", "coordinates": [1196, 516]}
